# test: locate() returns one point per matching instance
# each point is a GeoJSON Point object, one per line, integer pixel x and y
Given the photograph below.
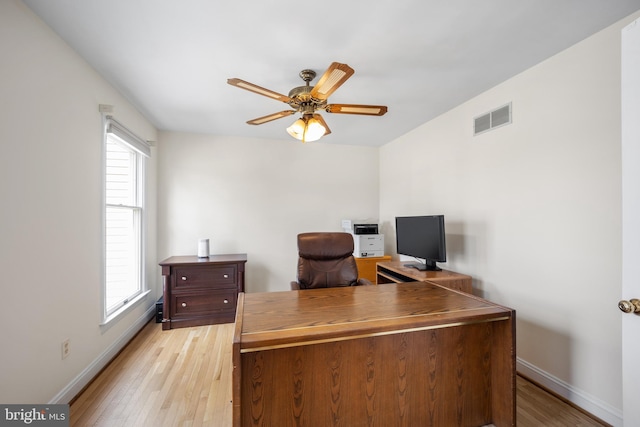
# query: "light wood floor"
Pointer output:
{"type": "Point", "coordinates": [182, 377]}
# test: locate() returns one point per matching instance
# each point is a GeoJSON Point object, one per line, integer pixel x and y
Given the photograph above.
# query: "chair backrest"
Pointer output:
{"type": "Point", "coordinates": [326, 260]}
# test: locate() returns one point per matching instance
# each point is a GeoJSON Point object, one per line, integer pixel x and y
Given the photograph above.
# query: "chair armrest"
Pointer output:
{"type": "Point", "coordinates": [364, 282]}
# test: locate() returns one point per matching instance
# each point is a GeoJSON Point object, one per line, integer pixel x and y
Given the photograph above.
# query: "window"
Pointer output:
{"type": "Point", "coordinates": [124, 215]}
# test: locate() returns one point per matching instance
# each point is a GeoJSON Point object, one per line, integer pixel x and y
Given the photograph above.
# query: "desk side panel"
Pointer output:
{"type": "Point", "coordinates": [438, 377]}
{"type": "Point", "coordinates": [236, 385]}
{"type": "Point", "coordinates": [503, 374]}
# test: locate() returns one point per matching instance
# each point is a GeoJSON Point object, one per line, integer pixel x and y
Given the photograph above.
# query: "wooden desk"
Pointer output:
{"type": "Point", "coordinates": [396, 272]}
{"type": "Point", "coordinates": [410, 354]}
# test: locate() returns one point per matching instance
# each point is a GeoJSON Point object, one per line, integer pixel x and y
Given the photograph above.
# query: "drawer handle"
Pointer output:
{"type": "Point", "coordinates": [226, 276]}
{"type": "Point", "coordinates": [184, 304]}
{"type": "Point", "coordinates": [226, 301]}
{"type": "Point", "coordinates": [184, 277]}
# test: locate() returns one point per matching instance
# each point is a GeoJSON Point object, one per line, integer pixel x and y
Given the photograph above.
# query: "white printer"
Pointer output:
{"type": "Point", "coordinates": [368, 245]}
{"type": "Point", "coordinates": [366, 240]}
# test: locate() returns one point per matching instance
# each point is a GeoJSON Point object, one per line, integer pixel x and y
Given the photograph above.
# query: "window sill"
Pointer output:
{"type": "Point", "coordinates": [125, 309]}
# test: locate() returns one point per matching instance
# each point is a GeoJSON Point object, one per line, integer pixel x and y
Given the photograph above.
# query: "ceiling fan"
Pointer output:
{"type": "Point", "coordinates": [309, 99]}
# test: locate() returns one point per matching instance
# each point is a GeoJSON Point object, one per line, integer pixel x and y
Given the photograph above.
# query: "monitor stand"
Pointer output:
{"type": "Point", "coordinates": [428, 266]}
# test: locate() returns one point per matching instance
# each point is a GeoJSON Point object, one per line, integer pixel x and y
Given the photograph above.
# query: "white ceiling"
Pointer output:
{"type": "Point", "coordinates": [172, 58]}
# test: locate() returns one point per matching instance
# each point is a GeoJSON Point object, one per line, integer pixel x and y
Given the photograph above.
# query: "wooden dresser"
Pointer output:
{"type": "Point", "coordinates": [396, 272]}
{"type": "Point", "coordinates": [201, 291]}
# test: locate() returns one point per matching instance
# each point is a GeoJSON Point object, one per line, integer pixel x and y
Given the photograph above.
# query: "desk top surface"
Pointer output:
{"type": "Point", "coordinates": [277, 319]}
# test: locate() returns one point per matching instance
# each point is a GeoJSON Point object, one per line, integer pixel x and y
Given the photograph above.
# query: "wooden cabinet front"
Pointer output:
{"type": "Point", "coordinates": [205, 276]}
{"type": "Point", "coordinates": [367, 267]}
{"type": "Point", "coordinates": [201, 291]}
{"type": "Point", "coordinates": [203, 303]}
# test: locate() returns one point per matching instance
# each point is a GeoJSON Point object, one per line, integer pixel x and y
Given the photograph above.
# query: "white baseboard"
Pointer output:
{"type": "Point", "coordinates": [79, 382]}
{"type": "Point", "coordinates": [589, 403]}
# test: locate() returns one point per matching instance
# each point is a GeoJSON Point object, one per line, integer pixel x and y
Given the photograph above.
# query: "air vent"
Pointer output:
{"type": "Point", "coordinates": [493, 119]}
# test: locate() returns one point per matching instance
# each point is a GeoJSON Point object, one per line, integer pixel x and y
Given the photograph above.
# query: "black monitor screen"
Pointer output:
{"type": "Point", "coordinates": [422, 237]}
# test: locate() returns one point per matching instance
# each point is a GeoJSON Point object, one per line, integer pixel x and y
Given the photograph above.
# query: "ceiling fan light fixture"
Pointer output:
{"type": "Point", "coordinates": [307, 128]}
{"type": "Point", "coordinates": [306, 100]}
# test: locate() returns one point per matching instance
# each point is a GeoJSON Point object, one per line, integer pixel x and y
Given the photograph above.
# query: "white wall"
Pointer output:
{"type": "Point", "coordinates": [533, 211]}
{"type": "Point", "coordinates": [254, 196]}
{"type": "Point", "coordinates": [51, 214]}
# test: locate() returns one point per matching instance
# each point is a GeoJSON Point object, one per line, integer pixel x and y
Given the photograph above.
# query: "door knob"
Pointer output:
{"type": "Point", "coordinates": [631, 306]}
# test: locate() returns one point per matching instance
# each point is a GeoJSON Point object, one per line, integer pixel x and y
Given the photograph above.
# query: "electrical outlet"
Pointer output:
{"type": "Point", "coordinates": [66, 348]}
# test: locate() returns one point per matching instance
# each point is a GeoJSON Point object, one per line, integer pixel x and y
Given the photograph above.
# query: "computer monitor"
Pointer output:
{"type": "Point", "coordinates": [422, 237]}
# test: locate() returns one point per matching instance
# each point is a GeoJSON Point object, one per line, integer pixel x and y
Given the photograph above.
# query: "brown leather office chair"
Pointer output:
{"type": "Point", "coordinates": [325, 261]}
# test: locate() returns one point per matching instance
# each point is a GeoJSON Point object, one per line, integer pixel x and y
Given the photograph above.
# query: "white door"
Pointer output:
{"type": "Point", "coordinates": [631, 221]}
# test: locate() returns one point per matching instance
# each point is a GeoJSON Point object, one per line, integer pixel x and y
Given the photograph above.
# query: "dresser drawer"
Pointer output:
{"type": "Point", "coordinates": [203, 303]}
{"type": "Point", "coordinates": [204, 277]}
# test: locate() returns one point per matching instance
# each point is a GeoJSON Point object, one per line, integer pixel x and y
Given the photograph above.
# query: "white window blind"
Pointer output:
{"type": "Point", "coordinates": [124, 212]}
{"type": "Point", "coordinates": [126, 136]}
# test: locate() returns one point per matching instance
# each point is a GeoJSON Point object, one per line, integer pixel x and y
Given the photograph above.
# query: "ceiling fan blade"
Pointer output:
{"type": "Point", "coordinates": [367, 110]}
{"type": "Point", "coordinates": [258, 89]}
{"type": "Point", "coordinates": [331, 80]}
{"type": "Point", "coordinates": [321, 120]}
{"type": "Point", "coordinates": [270, 117]}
